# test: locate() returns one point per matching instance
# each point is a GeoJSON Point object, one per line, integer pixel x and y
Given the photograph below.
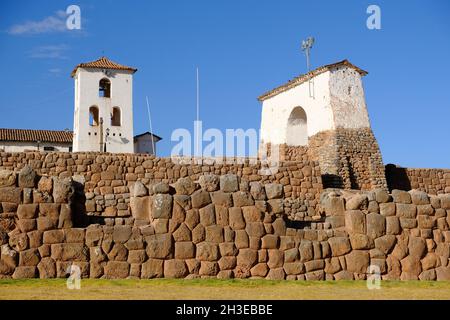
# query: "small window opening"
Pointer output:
{"type": "Point", "coordinates": [93, 116]}
{"type": "Point", "coordinates": [115, 117]}
{"type": "Point", "coordinates": [104, 88]}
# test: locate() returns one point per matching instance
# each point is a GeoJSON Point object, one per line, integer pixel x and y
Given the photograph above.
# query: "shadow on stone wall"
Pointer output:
{"type": "Point", "coordinates": [78, 206]}
{"type": "Point", "coordinates": [352, 176]}
{"type": "Point", "coordinates": [332, 181]}
{"type": "Point", "coordinates": [300, 224]}
{"type": "Point", "coordinates": [397, 178]}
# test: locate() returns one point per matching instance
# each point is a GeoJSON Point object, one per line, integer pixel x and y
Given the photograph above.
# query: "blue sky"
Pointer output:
{"type": "Point", "coordinates": [242, 48]}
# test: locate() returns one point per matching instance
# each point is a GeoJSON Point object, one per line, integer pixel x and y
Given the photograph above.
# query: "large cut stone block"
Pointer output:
{"type": "Point", "coordinates": [339, 246]}
{"type": "Point", "coordinates": [29, 257]}
{"type": "Point", "coordinates": [236, 218]}
{"type": "Point", "coordinates": [117, 269]}
{"type": "Point", "coordinates": [229, 183]}
{"type": "Point", "coordinates": [162, 206]}
{"type": "Point", "coordinates": [69, 252]}
{"type": "Point", "coordinates": [242, 198]}
{"type": "Point", "coordinates": [7, 178]}
{"type": "Point", "coordinates": [184, 250]}
{"type": "Point", "coordinates": [274, 190]}
{"type": "Point", "coordinates": [385, 243]}
{"type": "Point", "coordinates": [376, 225]}
{"type": "Point", "coordinates": [401, 196]}
{"type": "Point", "coordinates": [209, 182]}
{"type": "Point", "coordinates": [175, 268]}
{"type": "Point", "coordinates": [153, 268]}
{"type": "Point", "coordinates": [247, 258]}
{"type": "Point", "coordinates": [200, 198]}
{"type": "Point", "coordinates": [355, 221]}
{"type": "Point", "coordinates": [63, 189]}
{"type": "Point", "coordinates": [357, 261]}
{"type": "Point", "coordinates": [159, 246]}
{"type": "Point", "coordinates": [185, 186]}
{"type": "Point", "coordinates": [27, 211]}
{"type": "Point", "coordinates": [358, 201]}
{"type": "Point", "coordinates": [222, 198]}
{"type": "Point", "coordinates": [207, 251]}
{"type": "Point", "coordinates": [27, 177]}
{"type": "Point", "coordinates": [10, 194]}
{"type": "Point", "coordinates": [140, 207]}
{"type": "Point", "coordinates": [25, 272]}
{"type": "Point", "coordinates": [121, 233]}
{"type": "Point", "coordinates": [406, 210]}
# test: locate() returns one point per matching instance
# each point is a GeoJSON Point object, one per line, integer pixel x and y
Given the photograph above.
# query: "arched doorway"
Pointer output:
{"type": "Point", "coordinates": [297, 130]}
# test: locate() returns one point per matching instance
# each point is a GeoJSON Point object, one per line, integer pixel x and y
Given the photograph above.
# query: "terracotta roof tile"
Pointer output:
{"type": "Point", "coordinates": [102, 63]}
{"type": "Point", "coordinates": [305, 77]}
{"type": "Point", "coordinates": [36, 135]}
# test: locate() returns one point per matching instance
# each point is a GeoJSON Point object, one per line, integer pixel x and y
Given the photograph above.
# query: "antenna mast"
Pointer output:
{"type": "Point", "coordinates": [306, 47]}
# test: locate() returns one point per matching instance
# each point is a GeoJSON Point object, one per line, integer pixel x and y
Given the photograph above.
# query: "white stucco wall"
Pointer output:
{"type": "Point", "coordinates": [276, 110]}
{"type": "Point", "coordinates": [347, 99]}
{"type": "Point", "coordinates": [17, 146]}
{"type": "Point", "coordinates": [87, 137]}
{"type": "Point", "coordinates": [332, 106]}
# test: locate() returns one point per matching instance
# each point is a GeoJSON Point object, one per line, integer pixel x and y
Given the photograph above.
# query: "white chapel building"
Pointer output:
{"type": "Point", "coordinates": [323, 114]}
{"type": "Point", "coordinates": [327, 98]}
{"type": "Point", "coordinates": [103, 117]}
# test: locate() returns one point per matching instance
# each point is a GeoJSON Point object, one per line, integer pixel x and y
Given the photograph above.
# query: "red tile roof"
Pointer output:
{"type": "Point", "coordinates": [305, 77]}
{"type": "Point", "coordinates": [36, 135]}
{"type": "Point", "coordinates": [102, 63]}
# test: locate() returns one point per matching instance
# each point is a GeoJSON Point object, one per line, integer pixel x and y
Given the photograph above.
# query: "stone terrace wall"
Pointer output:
{"type": "Point", "coordinates": [222, 228]}
{"type": "Point", "coordinates": [432, 181]}
{"type": "Point", "coordinates": [348, 158]}
{"type": "Point", "coordinates": [109, 178]}
{"type": "Point", "coordinates": [361, 162]}
{"type": "Point", "coordinates": [406, 234]}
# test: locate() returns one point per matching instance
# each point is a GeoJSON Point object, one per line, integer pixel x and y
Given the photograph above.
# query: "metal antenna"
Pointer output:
{"type": "Point", "coordinates": [151, 129]}
{"type": "Point", "coordinates": [306, 46]}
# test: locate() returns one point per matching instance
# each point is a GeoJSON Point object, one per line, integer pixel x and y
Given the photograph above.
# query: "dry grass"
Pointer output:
{"type": "Point", "coordinates": [208, 289]}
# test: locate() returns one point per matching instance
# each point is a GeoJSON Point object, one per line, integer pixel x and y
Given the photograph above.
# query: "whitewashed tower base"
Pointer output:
{"type": "Point", "coordinates": [324, 113]}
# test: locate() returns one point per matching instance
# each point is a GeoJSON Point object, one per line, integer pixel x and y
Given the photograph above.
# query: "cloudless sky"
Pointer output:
{"type": "Point", "coordinates": [242, 48]}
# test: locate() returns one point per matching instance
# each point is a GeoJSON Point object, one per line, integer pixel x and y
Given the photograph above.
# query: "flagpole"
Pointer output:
{"type": "Point", "coordinates": [197, 138]}
{"type": "Point", "coordinates": [151, 129]}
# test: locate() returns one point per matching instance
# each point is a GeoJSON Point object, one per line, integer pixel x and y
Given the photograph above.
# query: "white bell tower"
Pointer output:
{"type": "Point", "coordinates": [103, 118]}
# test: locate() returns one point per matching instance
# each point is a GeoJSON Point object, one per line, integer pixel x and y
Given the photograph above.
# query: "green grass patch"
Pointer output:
{"type": "Point", "coordinates": [234, 289]}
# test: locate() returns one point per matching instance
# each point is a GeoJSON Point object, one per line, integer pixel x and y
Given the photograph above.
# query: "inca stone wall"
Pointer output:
{"type": "Point", "coordinates": [432, 181]}
{"type": "Point", "coordinates": [406, 234]}
{"type": "Point", "coordinates": [361, 164]}
{"type": "Point", "coordinates": [108, 179]}
{"type": "Point", "coordinates": [348, 158]}
{"type": "Point", "coordinates": [220, 226]}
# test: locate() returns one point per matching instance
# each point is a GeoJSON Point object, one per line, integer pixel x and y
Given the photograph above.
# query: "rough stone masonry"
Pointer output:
{"type": "Point", "coordinates": [213, 224]}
